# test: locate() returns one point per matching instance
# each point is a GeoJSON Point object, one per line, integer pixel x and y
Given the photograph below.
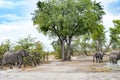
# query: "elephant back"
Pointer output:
{"type": "Point", "coordinates": [117, 53]}
{"type": "Point", "coordinates": [9, 53]}
{"type": "Point", "coordinates": [10, 57]}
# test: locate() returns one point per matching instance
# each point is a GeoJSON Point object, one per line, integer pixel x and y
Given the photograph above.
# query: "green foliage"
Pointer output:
{"type": "Point", "coordinates": [115, 34]}
{"type": "Point", "coordinates": [98, 37]}
{"type": "Point", "coordinates": [17, 47]}
{"type": "Point", "coordinates": [38, 47]}
{"type": "Point", "coordinates": [56, 47]}
{"type": "Point", "coordinates": [67, 17]}
{"type": "Point", "coordinates": [76, 44]}
{"type": "Point", "coordinates": [82, 44]}
{"type": "Point", "coordinates": [99, 33]}
{"type": "Point", "coordinates": [26, 43]}
{"type": "Point", "coordinates": [5, 46]}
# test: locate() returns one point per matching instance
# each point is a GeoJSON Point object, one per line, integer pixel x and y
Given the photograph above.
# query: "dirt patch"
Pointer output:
{"type": "Point", "coordinates": [79, 64]}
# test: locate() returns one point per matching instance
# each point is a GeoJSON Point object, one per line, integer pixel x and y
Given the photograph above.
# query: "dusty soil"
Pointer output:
{"type": "Point", "coordinates": [80, 68]}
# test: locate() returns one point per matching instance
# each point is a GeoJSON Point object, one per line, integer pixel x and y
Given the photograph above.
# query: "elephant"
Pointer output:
{"type": "Point", "coordinates": [11, 58]}
{"type": "Point", "coordinates": [98, 57]}
{"type": "Point", "coordinates": [33, 59]}
{"type": "Point", "coordinates": [36, 58]}
{"type": "Point", "coordinates": [114, 57]}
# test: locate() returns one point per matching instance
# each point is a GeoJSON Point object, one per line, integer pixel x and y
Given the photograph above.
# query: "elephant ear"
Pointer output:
{"type": "Point", "coordinates": [22, 53]}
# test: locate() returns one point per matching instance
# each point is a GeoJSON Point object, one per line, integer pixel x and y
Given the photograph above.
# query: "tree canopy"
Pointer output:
{"type": "Point", "coordinates": [66, 19]}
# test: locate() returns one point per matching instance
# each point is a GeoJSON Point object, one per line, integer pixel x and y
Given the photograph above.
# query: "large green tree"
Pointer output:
{"type": "Point", "coordinates": [66, 19]}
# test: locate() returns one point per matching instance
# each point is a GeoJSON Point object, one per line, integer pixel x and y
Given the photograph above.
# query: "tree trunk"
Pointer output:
{"type": "Point", "coordinates": [62, 42]}
{"type": "Point", "coordinates": [106, 49]}
{"type": "Point", "coordinates": [47, 56]}
{"type": "Point", "coordinates": [69, 49]}
{"type": "Point", "coordinates": [100, 45]}
{"type": "Point", "coordinates": [96, 46]}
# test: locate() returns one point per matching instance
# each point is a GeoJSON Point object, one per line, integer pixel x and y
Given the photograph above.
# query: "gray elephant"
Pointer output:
{"type": "Point", "coordinates": [36, 58]}
{"type": "Point", "coordinates": [33, 59]}
{"type": "Point", "coordinates": [98, 57]}
{"type": "Point", "coordinates": [114, 57]}
{"type": "Point", "coordinates": [11, 58]}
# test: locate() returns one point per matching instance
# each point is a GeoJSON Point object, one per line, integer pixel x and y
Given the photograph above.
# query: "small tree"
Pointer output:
{"type": "Point", "coordinates": [26, 43]}
{"type": "Point", "coordinates": [114, 35]}
{"type": "Point", "coordinates": [5, 46]}
{"type": "Point", "coordinates": [56, 47]}
{"type": "Point", "coordinates": [98, 36]}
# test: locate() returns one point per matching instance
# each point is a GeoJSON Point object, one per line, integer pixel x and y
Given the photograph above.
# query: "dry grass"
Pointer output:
{"type": "Point", "coordinates": [35, 69]}
{"type": "Point", "coordinates": [100, 68]}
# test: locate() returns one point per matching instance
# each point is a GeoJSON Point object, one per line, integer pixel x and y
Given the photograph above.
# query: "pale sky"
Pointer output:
{"type": "Point", "coordinates": [16, 23]}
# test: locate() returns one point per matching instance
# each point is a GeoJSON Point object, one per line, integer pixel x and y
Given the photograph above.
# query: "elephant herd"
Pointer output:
{"type": "Point", "coordinates": [19, 58]}
{"type": "Point", "coordinates": [23, 57]}
{"type": "Point", "coordinates": [113, 57]}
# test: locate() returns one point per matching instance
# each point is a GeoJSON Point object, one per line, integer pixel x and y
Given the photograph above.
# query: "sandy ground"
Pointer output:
{"type": "Point", "coordinates": [80, 68]}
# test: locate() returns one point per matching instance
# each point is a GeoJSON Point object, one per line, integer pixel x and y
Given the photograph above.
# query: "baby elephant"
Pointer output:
{"type": "Point", "coordinates": [114, 57]}
{"type": "Point", "coordinates": [98, 57]}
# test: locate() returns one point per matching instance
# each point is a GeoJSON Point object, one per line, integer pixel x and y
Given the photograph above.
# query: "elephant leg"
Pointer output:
{"type": "Point", "coordinates": [33, 63]}
{"type": "Point", "coordinates": [24, 63]}
{"type": "Point", "coordinates": [19, 66]}
{"type": "Point", "coordinates": [102, 60]}
{"type": "Point", "coordinates": [10, 65]}
{"type": "Point", "coordinates": [112, 61]}
{"type": "Point", "coordinates": [115, 61]}
{"type": "Point", "coordinates": [38, 62]}
{"type": "Point", "coordinates": [93, 59]}
{"type": "Point", "coordinates": [20, 62]}
{"type": "Point", "coordinates": [3, 63]}
{"type": "Point", "coordinates": [1, 67]}
{"type": "Point", "coordinates": [99, 60]}
{"type": "Point", "coordinates": [17, 63]}
{"type": "Point", "coordinates": [96, 60]}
